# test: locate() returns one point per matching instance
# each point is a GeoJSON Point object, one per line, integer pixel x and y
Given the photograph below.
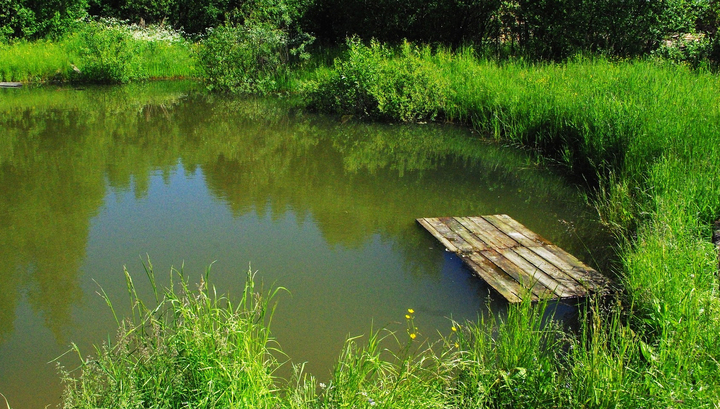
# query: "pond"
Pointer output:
{"type": "Point", "coordinates": [99, 178]}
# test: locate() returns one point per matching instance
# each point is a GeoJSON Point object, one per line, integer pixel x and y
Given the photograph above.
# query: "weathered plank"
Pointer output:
{"type": "Point", "coordinates": [580, 271]}
{"type": "Point", "coordinates": [512, 232]}
{"type": "Point", "coordinates": [467, 234]}
{"type": "Point", "coordinates": [514, 260]}
{"type": "Point", "coordinates": [450, 239]}
{"type": "Point", "coordinates": [10, 84]}
{"type": "Point", "coordinates": [488, 233]}
{"type": "Point", "coordinates": [536, 273]}
{"type": "Point", "coordinates": [438, 230]}
{"type": "Point", "coordinates": [511, 290]}
{"type": "Point", "coordinates": [556, 273]}
{"type": "Point", "coordinates": [522, 229]}
{"type": "Point", "coordinates": [525, 278]}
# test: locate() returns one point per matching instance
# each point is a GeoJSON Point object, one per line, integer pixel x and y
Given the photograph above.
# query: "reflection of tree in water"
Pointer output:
{"type": "Point", "coordinates": [357, 181]}
{"type": "Point", "coordinates": [390, 176]}
{"type": "Point", "coordinates": [49, 196]}
{"type": "Point", "coordinates": [52, 175]}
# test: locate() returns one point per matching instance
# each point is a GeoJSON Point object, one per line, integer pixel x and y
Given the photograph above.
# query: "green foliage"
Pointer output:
{"type": "Point", "coordinates": [371, 81]}
{"type": "Point", "coordinates": [31, 19]}
{"type": "Point", "coordinates": [635, 131]}
{"type": "Point", "coordinates": [111, 51]}
{"type": "Point", "coordinates": [102, 52]}
{"type": "Point", "coordinates": [108, 54]}
{"type": "Point", "coordinates": [37, 61]}
{"type": "Point", "coordinates": [510, 362]}
{"type": "Point", "coordinates": [447, 22]}
{"type": "Point", "coordinates": [243, 59]}
{"type": "Point", "coordinates": [250, 55]}
{"type": "Point", "coordinates": [552, 29]}
{"type": "Point", "coordinates": [188, 348]}
{"type": "Point", "coordinates": [195, 16]}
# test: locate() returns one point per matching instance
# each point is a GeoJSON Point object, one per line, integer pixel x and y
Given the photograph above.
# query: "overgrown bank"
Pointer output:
{"type": "Point", "coordinates": [644, 135]}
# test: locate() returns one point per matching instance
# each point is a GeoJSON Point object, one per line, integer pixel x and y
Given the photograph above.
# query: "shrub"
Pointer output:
{"type": "Point", "coordinates": [112, 51]}
{"type": "Point", "coordinates": [106, 54]}
{"type": "Point", "coordinates": [37, 19]}
{"type": "Point", "coordinates": [371, 81]}
{"type": "Point", "coordinates": [243, 58]}
{"type": "Point", "coordinates": [249, 57]}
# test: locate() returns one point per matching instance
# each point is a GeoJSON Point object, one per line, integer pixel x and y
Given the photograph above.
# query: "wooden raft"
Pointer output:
{"type": "Point", "coordinates": [513, 260]}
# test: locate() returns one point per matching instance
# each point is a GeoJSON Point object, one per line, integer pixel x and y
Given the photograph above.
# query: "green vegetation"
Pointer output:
{"type": "Point", "coordinates": [189, 349]}
{"type": "Point", "coordinates": [643, 134]}
{"type": "Point", "coordinates": [249, 46]}
{"type": "Point", "coordinates": [100, 52]}
{"type": "Point", "coordinates": [633, 131]}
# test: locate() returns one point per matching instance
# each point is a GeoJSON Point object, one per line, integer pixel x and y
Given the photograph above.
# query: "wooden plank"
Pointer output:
{"type": "Point", "coordinates": [575, 288]}
{"type": "Point", "coordinates": [580, 273]}
{"type": "Point", "coordinates": [508, 288]}
{"type": "Point", "coordinates": [512, 259]}
{"type": "Point", "coordinates": [543, 278]}
{"type": "Point", "coordinates": [488, 228]}
{"type": "Point", "coordinates": [554, 271]}
{"type": "Point", "coordinates": [428, 224]}
{"type": "Point", "coordinates": [447, 237]}
{"type": "Point", "coordinates": [522, 277]}
{"type": "Point", "coordinates": [579, 268]}
{"type": "Point", "coordinates": [512, 232]}
{"type": "Point", "coordinates": [10, 84]}
{"type": "Point", "coordinates": [522, 229]}
{"type": "Point", "coordinates": [466, 234]}
{"type": "Point", "coordinates": [487, 232]}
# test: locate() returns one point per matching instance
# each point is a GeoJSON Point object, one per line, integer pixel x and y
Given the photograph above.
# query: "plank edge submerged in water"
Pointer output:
{"type": "Point", "coordinates": [513, 260]}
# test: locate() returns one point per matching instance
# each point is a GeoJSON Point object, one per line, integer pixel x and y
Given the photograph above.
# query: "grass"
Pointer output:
{"type": "Point", "coordinates": [102, 52]}
{"type": "Point", "coordinates": [645, 138]}
{"type": "Point", "coordinates": [189, 348]}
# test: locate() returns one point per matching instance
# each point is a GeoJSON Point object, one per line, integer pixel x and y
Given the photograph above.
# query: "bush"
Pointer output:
{"type": "Point", "coordinates": [37, 19]}
{"type": "Point", "coordinates": [112, 51]}
{"type": "Point", "coordinates": [248, 58]}
{"type": "Point", "coordinates": [243, 58]}
{"type": "Point", "coordinates": [371, 82]}
{"type": "Point", "coordinates": [106, 54]}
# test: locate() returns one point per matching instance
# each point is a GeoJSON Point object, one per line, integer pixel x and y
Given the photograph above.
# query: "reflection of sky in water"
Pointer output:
{"type": "Point", "coordinates": [323, 210]}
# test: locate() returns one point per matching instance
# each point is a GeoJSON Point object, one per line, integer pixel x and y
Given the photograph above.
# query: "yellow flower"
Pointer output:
{"type": "Point", "coordinates": [411, 311]}
{"type": "Point", "coordinates": [413, 335]}
{"type": "Point", "coordinates": [407, 316]}
{"type": "Point", "coordinates": [454, 329]}
{"type": "Point", "coordinates": [456, 345]}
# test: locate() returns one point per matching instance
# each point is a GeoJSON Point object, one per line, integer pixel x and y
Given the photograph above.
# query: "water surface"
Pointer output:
{"type": "Point", "coordinates": [96, 179]}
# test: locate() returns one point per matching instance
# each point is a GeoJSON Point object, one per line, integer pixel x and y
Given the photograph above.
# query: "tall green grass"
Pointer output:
{"type": "Point", "coordinates": [38, 61]}
{"type": "Point", "coordinates": [195, 348]}
{"type": "Point", "coordinates": [186, 348]}
{"type": "Point", "coordinates": [645, 138]}
{"type": "Point", "coordinates": [100, 52]}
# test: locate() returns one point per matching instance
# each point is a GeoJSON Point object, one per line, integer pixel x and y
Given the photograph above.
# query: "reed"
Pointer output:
{"type": "Point", "coordinates": [185, 348]}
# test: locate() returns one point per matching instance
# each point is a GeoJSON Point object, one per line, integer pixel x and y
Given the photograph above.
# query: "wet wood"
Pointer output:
{"type": "Point", "coordinates": [517, 262]}
{"type": "Point", "coordinates": [10, 84]}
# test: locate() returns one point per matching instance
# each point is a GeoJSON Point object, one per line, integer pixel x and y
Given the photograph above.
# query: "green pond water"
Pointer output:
{"type": "Point", "coordinates": [95, 179]}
